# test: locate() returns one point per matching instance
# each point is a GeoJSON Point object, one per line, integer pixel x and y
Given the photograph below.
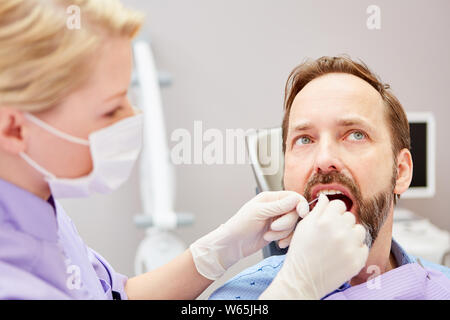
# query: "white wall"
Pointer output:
{"type": "Point", "coordinates": [230, 60]}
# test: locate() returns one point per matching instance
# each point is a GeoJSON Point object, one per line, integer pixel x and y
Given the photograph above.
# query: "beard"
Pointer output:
{"type": "Point", "coordinates": [372, 211]}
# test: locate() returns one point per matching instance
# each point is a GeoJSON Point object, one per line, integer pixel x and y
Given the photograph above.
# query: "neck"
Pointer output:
{"type": "Point", "coordinates": [380, 258]}
{"type": "Point", "coordinates": [16, 171]}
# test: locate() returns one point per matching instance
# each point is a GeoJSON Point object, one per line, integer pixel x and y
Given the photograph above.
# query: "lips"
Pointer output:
{"type": "Point", "coordinates": [335, 192]}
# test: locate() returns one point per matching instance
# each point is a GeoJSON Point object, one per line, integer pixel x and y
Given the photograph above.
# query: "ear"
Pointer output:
{"type": "Point", "coordinates": [404, 171]}
{"type": "Point", "coordinates": [12, 131]}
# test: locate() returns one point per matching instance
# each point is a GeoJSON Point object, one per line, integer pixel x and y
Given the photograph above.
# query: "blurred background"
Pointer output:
{"type": "Point", "coordinates": [229, 60]}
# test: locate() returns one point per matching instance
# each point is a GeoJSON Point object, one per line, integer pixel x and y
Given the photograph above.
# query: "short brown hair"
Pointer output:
{"type": "Point", "coordinates": [312, 69]}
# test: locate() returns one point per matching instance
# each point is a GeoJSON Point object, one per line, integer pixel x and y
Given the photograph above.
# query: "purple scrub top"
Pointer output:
{"type": "Point", "coordinates": [42, 256]}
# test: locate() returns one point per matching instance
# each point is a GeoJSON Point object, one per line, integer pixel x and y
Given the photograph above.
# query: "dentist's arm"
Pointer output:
{"type": "Point", "coordinates": [177, 280]}
{"type": "Point", "coordinates": [270, 216]}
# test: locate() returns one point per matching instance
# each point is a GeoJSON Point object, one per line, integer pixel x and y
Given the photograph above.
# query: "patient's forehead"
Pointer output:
{"type": "Point", "coordinates": [336, 95]}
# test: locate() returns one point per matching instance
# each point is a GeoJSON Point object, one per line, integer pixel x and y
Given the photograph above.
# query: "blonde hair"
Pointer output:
{"type": "Point", "coordinates": [42, 60]}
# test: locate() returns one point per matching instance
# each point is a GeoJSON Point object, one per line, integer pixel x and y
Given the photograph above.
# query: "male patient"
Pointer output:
{"type": "Point", "coordinates": [346, 135]}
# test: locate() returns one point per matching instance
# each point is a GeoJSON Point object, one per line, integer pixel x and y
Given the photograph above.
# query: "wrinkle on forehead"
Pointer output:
{"type": "Point", "coordinates": [339, 93]}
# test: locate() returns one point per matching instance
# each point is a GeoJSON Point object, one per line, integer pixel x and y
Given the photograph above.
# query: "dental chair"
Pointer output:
{"type": "Point", "coordinates": [265, 153]}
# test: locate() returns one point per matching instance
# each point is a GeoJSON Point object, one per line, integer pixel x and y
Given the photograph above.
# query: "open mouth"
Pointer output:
{"type": "Point", "coordinates": [334, 194]}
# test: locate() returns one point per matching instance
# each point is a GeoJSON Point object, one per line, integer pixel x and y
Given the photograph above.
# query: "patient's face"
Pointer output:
{"type": "Point", "coordinates": [338, 142]}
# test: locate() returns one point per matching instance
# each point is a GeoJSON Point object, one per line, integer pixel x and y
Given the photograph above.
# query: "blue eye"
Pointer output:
{"type": "Point", "coordinates": [357, 135]}
{"type": "Point", "coordinates": [303, 140]}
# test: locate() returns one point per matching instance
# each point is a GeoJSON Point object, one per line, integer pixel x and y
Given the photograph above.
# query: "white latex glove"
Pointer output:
{"type": "Point", "coordinates": [248, 231]}
{"type": "Point", "coordinates": [327, 249]}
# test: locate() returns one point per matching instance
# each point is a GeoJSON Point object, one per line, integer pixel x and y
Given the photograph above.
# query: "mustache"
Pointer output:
{"type": "Point", "coordinates": [332, 177]}
{"type": "Point", "coordinates": [372, 212]}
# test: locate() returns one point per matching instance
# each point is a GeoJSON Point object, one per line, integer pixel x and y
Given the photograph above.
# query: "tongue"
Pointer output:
{"type": "Point", "coordinates": [345, 199]}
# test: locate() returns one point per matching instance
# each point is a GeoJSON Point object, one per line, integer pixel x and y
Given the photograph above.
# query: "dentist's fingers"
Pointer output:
{"type": "Point", "coordinates": [321, 204]}
{"type": "Point", "coordinates": [303, 208]}
{"type": "Point", "coordinates": [272, 196]}
{"type": "Point", "coordinates": [276, 235]}
{"type": "Point", "coordinates": [360, 233]}
{"type": "Point", "coordinates": [336, 206]}
{"type": "Point", "coordinates": [349, 218]}
{"type": "Point", "coordinates": [284, 243]}
{"type": "Point", "coordinates": [285, 202]}
{"type": "Point", "coordinates": [285, 222]}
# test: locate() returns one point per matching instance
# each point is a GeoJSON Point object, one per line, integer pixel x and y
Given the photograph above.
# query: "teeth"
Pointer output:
{"type": "Point", "coordinates": [329, 192]}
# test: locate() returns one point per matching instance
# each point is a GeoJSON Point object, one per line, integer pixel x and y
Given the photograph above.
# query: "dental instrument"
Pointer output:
{"type": "Point", "coordinates": [310, 203]}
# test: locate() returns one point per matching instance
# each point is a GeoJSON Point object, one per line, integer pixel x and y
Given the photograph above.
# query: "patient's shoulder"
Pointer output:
{"type": "Point", "coordinates": [434, 266]}
{"type": "Point", "coordinates": [250, 283]}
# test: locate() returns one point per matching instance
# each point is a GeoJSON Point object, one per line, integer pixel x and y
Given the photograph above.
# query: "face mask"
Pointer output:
{"type": "Point", "coordinates": [114, 151]}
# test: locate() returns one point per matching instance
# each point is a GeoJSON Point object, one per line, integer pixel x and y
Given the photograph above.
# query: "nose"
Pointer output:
{"type": "Point", "coordinates": [327, 157]}
{"type": "Point", "coordinates": [131, 109]}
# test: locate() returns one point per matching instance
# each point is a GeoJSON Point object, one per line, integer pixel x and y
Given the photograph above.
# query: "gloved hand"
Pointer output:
{"type": "Point", "coordinates": [327, 249]}
{"type": "Point", "coordinates": [267, 217]}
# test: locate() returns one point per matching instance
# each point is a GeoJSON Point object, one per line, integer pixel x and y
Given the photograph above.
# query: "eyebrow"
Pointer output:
{"type": "Point", "coordinates": [117, 95]}
{"type": "Point", "coordinates": [354, 121]}
{"type": "Point", "coordinates": [343, 122]}
{"type": "Point", "coordinates": [302, 126]}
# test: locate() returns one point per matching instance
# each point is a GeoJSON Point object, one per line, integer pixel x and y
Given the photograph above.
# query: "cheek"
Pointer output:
{"type": "Point", "coordinates": [295, 174]}
{"type": "Point", "coordinates": [74, 160]}
{"type": "Point", "coordinates": [372, 171]}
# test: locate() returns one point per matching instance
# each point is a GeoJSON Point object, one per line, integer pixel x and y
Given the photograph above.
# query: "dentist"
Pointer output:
{"type": "Point", "coordinates": [67, 130]}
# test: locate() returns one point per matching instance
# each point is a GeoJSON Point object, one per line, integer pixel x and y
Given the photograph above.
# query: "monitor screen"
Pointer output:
{"type": "Point", "coordinates": [418, 132]}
